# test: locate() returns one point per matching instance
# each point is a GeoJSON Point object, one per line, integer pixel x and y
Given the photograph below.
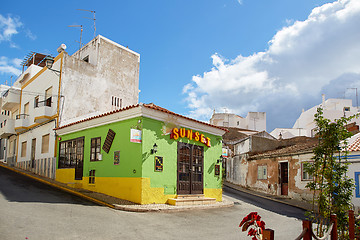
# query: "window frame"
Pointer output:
{"type": "Point", "coordinates": [70, 157]}
{"type": "Point", "coordinates": [48, 96]}
{"type": "Point", "coordinates": [92, 176]}
{"type": "Point", "coordinates": [264, 175]}
{"type": "Point", "coordinates": [26, 108]}
{"type": "Point", "coordinates": [96, 148]}
{"type": "Point", "coordinates": [42, 143]}
{"type": "Point", "coordinates": [23, 149]}
{"type": "Point", "coordinates": [310, 178]}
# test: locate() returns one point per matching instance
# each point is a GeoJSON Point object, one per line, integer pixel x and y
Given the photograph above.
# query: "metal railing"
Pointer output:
{"type": "Point", "coordinates": [21, 116]}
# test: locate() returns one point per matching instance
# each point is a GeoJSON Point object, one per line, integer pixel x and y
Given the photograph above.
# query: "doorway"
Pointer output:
{"type": "Point", "coordinates": [190, 168]}
{"type": "Point", "coordinates": [33, 151]}
{"type": "Point", "coordinates": [284, 178]}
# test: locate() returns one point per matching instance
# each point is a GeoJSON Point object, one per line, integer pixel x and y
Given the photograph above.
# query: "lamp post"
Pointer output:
{"type": "Point", "coordinates": [49, 61]}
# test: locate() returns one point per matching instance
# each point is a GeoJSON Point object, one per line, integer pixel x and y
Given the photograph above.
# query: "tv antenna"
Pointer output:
{"type": "Point", "coordinates": [80, 26]}
{"type": "Point", "coordinates": [90, 18]}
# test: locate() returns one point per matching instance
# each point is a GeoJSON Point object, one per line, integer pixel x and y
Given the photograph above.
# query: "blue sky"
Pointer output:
{"type": "Point", "coordinates": [252, 55]}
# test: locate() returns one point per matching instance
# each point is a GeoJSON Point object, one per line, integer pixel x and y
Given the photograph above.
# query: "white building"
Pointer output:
{"type": "Point", "coordinates": [305, 125]}
{"type": "Point", "coordinates": [253, 121]}
{"type": "Point", "coordinates": [100, 77]}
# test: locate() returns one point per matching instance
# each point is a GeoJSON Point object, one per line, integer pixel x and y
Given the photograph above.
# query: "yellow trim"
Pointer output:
{"type": "Point", "coordinates": [37, 124]}
{"type": "Point", "coordinates": [21, 128]}
{"type": "Point", "coordinates": [44, 116]}
{"type": "Point", "coordinates": [59, 91]}
{"type": "Point", "coordinates": [58, 103]}
{"type": "Point", "coordinates": [40, 72]}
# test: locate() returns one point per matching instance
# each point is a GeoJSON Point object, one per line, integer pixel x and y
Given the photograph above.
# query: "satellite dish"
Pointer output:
{"type": "Point", "coordinates": [61, 48]}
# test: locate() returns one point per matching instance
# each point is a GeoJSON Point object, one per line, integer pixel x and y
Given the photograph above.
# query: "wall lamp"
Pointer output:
{"type": "Point", "coordinates": [49, 61]}
{"type": "Point", "coordinates": [154, 149]}
{"type": "Point", "coordinates": [221, 159]}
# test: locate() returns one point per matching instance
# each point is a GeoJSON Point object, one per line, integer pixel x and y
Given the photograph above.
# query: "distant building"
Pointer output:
{"type": "Point", "coordinates": [253, 121]}
{"type": "Point", "coordinates": [305, 125]}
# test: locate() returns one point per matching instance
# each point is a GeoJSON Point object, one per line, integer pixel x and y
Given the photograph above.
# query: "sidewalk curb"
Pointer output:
{"type": "Point", "coordinates": [178, 209]}
{"type": "Point", "coordinates": [230, 185]}
{"type": "Point", "coordinates": [60, 187]}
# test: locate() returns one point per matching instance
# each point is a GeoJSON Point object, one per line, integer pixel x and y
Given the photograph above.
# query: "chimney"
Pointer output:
{"type": "Point", "coordinates": [323, 100]}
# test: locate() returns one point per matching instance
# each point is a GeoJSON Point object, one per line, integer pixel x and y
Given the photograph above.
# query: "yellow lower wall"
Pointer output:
{"type": "Point", "coordinates": [136, 190]}
{"type": "Point", "coordinates": [213, 193]}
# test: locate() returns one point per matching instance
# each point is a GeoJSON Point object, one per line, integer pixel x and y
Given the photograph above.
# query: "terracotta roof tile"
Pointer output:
{"type": "Point", "coordinates": [354, 146]}
{"type": "Point", "coordinates": [297, 148]}
{"type": "Point", "coordinates": [150, 105]}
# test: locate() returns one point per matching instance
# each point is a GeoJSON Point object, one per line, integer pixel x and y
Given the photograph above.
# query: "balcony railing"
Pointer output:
{"type": "Point", "coordinates": [7, 128]}
{"type": "Point", "coordinates": [44, 110]}
{"type": "Point", "coordinates": [21, 122]}
{"type": "Point", "coordinates": [11, 98]}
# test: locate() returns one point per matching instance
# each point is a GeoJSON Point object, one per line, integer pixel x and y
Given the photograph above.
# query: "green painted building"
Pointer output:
{"type": "Point", "coordinates": [143, 153]}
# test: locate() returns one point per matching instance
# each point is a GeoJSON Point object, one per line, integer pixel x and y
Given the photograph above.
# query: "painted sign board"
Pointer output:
{"type": "Point", "coordinates": [177, 133]}
{"type": "Point", "coordinates": [135, 135]}
{"type": "Point", "coordinates": [116, 157]}
{"type": "Point", "coordinates": [158, 164]}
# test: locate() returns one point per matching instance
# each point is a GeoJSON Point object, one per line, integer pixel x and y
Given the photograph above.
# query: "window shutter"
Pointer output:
{"type": "Point", "coordinates": [108, 141]}
{"type": "Point", "coordinates": [45, 144]}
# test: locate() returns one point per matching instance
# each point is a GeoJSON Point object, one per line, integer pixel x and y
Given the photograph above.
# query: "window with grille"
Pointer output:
{"type": "Point", "coordinates": [95, 149]}
{"type": "Point", "coordinates": [262, 172]}
{"type": "Point", "coordinates": [71, 153]}
{"type": "Point", "coordinates": [45, 143]}
{"type": "Point", "coordinates": [23, 149]}
{"type": "Point", "coordinates": [92, 177]}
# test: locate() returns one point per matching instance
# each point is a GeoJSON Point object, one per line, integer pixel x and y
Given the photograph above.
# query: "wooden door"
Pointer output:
{"type": "Point", "coordinates": [190, 169]}
{"type": "Point", "coordinates": [284, 178]}
{"type": "Point", "coordinates": [33, 151]}
{"type": "Point", "coordinates": [78, 154]}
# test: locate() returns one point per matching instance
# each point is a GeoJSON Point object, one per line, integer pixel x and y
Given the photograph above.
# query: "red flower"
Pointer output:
{"type": "Point", "coordinates": [252, 232]}
{"type": "Point", "coordinates": [253, 221]}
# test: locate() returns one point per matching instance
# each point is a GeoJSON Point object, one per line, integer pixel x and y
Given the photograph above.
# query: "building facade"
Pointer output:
{"type": "Point", "coordinates": [101, 76]}
{"type": "Point", "coordinates": [143, 153]}
{"type": "Point", "coordinates": [305, 125]}
{"type": "Point", "coordinates": [255, 121]}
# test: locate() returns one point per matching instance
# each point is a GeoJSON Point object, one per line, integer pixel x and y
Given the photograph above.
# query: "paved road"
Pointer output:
{"type": "Point", "coordinates": [267, 204]}
{"type": "Point", "coordinates": [32, 210]}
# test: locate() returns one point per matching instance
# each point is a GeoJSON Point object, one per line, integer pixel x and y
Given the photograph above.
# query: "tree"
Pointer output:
{"type": "Point", "coordinates": [331, 187]}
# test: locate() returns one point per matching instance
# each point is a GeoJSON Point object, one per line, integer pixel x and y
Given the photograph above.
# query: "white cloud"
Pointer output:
{"type": "Point", "coordinates": [302, 60]}
{"type": "Point", "coordinates": [239, 1]}
{"type": "Point", "coordinates": [8, 28]}
{"type": "Point", "coordinates": [10, 66]}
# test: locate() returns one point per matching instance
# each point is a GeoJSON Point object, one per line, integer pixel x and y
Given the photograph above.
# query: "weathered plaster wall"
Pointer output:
{"type": "Point", "coordinates": [88, 87]}
{"type": "Point", "coordinates": [271, 185]}
{"type": "Point", "coordinates": [237, 169]}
